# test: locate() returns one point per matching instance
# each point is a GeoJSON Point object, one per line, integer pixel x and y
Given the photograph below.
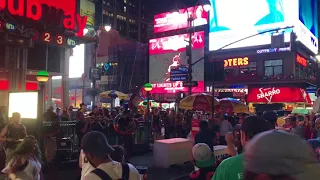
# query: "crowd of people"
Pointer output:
{"type": "Point", "coordinates": [259, 146]}
{"type": "Point", "coordinates": [259, 149]}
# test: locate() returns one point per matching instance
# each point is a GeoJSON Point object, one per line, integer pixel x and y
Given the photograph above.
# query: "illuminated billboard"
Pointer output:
{"type": "Point", "coordinates": [25, 103]}
{"type": "Point", "coordinates": [168, 53]}
{"type": "Point", "coordinates": [256, 16]}
{"type": "Point", "coordinates": [76, 62]}
{"type": "Point", "coordinates": [179, 20]}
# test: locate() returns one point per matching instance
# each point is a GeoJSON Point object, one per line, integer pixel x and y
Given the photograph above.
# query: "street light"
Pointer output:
{"type": "Point", "coordinates": [107, 27]}
{"type": "Point", "coordinates": [42, 78]}
{"type": "Point", "coordinates": [148, 87]}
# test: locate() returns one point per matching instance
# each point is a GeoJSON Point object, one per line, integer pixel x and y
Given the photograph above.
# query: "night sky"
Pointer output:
{"type": "Point", "coordinates": [159, 6]}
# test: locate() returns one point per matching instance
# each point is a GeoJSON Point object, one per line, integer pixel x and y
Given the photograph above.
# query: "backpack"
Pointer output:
{"type": "Point", "coordinates": [104, 176]}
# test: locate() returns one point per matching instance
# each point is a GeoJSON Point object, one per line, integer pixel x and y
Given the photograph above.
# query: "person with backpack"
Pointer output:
{"type": "Point", "coordinates": [96, 150]}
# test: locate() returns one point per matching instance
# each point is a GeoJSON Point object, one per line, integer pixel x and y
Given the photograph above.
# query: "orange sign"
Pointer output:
{"type": "Point", "coordinates": [301, 60]}
{"type": "Point", "coordinates": [233, 62]}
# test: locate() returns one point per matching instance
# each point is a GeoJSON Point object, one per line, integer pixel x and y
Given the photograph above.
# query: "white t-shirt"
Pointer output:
{"type": "Point", "coordinates": [316, 106]}
{"type": "Point", "coordinates": [86, 166]}
{"type": "Point", "coordinates": [30, 172]}
{"type": "Point", "coordinates": [114, 170]}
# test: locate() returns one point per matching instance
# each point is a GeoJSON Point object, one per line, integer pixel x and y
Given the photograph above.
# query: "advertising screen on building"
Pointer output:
{"type": "Point", "coordinates": [168, 53]}
{"type": "Point", "coordinates": [256, 16]}
{"type": "Point", "coordinates": [179, 20]}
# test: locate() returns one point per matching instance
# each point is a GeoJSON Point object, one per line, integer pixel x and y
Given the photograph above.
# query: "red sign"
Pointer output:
{"type": "Point", "coordinates": [52, 12]}
{"type": "Point", "coordinates": [278, 95]}
{"type": "Point", "coordinates": [179, 20]}
{"type": "Point", "coordinates": [173, 87]}
{"type": "Point", "coordinates": [175, 43]}
{"type": "Point", "coordinates": [301, 60]}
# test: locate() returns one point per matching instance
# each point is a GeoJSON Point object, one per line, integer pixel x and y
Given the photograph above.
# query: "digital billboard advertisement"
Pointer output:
{"type": "Point", "coordinates": [178, 20]}
{"type": "Point", "coordinates": [251, 17]}
{"type": "Point", "coordinates": [170, 52]}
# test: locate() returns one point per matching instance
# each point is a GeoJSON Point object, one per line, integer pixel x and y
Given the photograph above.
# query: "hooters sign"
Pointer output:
{"type": "Point", "coordinates": [278, 95]}
{"type": "Point", "coordinates": [53, 12]}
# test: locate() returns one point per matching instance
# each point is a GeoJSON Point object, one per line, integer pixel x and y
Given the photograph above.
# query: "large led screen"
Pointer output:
{"type": "Point", "coordinates": [76, 62]}
{"type": "Point", "coordinates": [25, 103]}
{"type": "Point", "coordinates": [245, 18]}
{"type": "Point", "coordinates": [179, 20]}
{"type": "Point", "coordinates": [169, 52]}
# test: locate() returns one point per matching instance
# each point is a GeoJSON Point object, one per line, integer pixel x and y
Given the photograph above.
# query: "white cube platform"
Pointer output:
{"type": "Point", "coordinates": [168, 152]}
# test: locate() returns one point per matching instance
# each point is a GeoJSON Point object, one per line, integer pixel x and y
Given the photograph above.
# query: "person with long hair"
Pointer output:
{"type": "Point", "coordinates": [25, 161]}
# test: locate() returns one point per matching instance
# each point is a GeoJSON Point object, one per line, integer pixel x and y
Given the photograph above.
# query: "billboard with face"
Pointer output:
{"type": "Point", "coordinates": [178, 20]}
{"type": "Point", "coordinates": [168, 53]}
{"type": "Point", "coordinates": [232, 20]}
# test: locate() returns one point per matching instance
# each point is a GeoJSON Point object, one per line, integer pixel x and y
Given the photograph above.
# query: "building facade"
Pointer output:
{"type": "Point", "coordinates": [129, 17]}
{"type": "Point", "coordinates": [274, 63]}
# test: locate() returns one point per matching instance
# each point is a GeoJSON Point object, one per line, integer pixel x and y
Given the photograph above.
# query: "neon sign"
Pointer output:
{"type": "Point", "coordinates": [49, 11]}
{"type": "Point", "coordinates": [173, 87]}
{"type": "Point", "coordinates": [233, 62]}
{"type": "Point", "coordinates": [301, 60]}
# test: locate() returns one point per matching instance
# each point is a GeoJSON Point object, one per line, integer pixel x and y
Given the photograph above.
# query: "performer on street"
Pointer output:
{"type": "Point", "coordinates": [13, 133]}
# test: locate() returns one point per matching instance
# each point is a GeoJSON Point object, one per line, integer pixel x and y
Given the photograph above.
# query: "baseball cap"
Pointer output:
{"type": "Point", "coordinates": [279, 153]}
{"type": "Point", "coordinates": [254, 125]}
{"type": "Point", "coordinates": [96, 143]}
{"type": "Point", "coordinates": [202, 155]}
{"type": "Point", "coordinates": [270, 116]}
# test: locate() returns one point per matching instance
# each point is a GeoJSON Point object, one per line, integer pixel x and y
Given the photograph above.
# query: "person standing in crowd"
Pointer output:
{"type": "Point", "coordinates": [316, 106]}
{"type": "Point", "coordinates": [49, 115]}
{"type": "Point", "coordinates": [279, 155]}
{"type": "Point", "coordinates": [271, 117]}
{"type": "Point", "coordinates": [58, 112]}
{"type": "Point", "coordinates": [205, 135]}
{"type": "Point", "coordinates": [178, 123]}
{"type": "Point", "coordinates": [65, 116]}
{"type": "Point", "coordinates": [3, 117]}
{"type": "Point", "coordinates": [13, 133]}
{"type": "Point", "coordinates": [25, 161]}
{"type": "Point", "coordinates": [233, 167]}
{"type": "Point", "coordinates": [95, 111]}
{"type": "Point", "coordinates": [295, 128]}
{"type": "Point", "coordinates": [172, 118]}
{"type": "Point", "coordinates": [96, 149]}
{"type": "Point", "coordinates": [204, 160]}
{"type": "Point", "coordinates": [225, 127]}
{"type": "Point", "coordinates": [82, 125]}
{"type": "Point", "coordinates": [71, 113]}
{"type": "Point", "coordinates": [125, 122]}
{"type": "Point", "coordinates": [155, 121]}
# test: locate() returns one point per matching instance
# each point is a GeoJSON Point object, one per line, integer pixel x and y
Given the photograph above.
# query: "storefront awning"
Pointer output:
{"type": "Point", "coordinates": [278, 95]}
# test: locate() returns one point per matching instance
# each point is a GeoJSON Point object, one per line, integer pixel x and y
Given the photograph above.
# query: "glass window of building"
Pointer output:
{"type": "Point", "coordinates": [75, 97]}
{"type": "Point", "coordinates": [250, 69]}
{"type": "Point", "coordinates": [273, 67]}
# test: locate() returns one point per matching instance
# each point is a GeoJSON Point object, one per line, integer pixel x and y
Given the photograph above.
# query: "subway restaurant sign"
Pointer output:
{"type": "Point", "coordinates": [51, 12]}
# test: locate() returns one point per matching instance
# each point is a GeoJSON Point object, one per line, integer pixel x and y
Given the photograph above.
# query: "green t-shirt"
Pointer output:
{"type": "Point", "coordinates": [230, 169]}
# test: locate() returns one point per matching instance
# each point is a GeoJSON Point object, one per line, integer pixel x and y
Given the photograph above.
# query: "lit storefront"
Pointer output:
{"type": "Point", "coordinates": [277, 98]}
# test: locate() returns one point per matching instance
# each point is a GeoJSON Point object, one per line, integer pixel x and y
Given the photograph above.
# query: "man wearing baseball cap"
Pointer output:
{"type": "Point", "coordinates": [96, 150]}
{"type": "Point", "coordinates": [233, 168]}
{"type": "Point", "coordinates": [280, 155]}
{"type": "Point", "coordinates": [204, 160]}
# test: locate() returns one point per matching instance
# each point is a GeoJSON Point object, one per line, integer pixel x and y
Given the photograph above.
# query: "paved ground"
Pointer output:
{"type": "Point", "coordinates": [71, 171]}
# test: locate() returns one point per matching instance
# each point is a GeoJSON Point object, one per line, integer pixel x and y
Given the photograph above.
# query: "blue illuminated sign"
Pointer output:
{"type": "Point", "coordinates": [232, 20]}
